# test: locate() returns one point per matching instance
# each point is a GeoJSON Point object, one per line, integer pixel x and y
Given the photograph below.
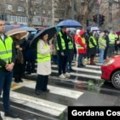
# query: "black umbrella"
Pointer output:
{"type": "Point", "coordinates": [51, 31]}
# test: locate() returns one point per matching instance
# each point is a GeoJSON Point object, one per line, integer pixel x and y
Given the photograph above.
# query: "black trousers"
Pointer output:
{"type": "Point", "coordinates": [62, 63]}
{"type": "Point", "coordinates": [41, 83]}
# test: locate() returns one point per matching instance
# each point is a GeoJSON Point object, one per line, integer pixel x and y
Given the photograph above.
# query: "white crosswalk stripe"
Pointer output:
{"type": "Point", "coordinates": [92, 72]}
{"type": "Point", "coordinates": [44, 105]}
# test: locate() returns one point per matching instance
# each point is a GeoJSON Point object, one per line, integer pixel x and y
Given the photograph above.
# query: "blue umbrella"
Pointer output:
{"type": "Point", "coordinates": [69, 23]}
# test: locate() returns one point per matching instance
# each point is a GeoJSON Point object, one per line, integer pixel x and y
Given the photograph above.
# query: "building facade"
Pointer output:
{"type": "Point", "coordinates": [50, 12]}
{"type": "Point", "coordinates": [13, 11]}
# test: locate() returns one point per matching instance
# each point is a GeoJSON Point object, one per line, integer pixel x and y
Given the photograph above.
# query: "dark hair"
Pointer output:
{"type": "Point", "coordinates": [42, 34]}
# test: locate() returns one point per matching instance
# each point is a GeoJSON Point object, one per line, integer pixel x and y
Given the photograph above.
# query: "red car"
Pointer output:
{"type": "Point", "coordinates": [111, 71]}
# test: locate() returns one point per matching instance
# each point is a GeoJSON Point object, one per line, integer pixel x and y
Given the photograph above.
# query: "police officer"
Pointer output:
{"type": "Point", "coordinates": [7, 58]}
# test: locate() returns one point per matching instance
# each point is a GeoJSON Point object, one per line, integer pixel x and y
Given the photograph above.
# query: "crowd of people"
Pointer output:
{"type": "Point", "coordinates": [82, 45]}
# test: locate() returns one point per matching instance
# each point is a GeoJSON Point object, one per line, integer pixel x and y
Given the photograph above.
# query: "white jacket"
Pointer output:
{"type": "Point", "coordinates": [43, 68]}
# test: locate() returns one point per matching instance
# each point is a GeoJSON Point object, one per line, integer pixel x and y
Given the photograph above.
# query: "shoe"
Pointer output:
{"type": "Point", "coordinates": [38, 92]}
{"type": "Point", "coordinates": [67, 74]}
{"type": "Point", "coordinates": [1, 118]}
{"type": "Point", "coordinates": [21, 80]}
{"type": "Point", "coordinates": [17, 81]}
{"type": "Point", "coordinates": [92, 64]}
{"type": "Point", "coordinates": [62, 76]}
{"type": "Point", "coordinates": [11, 114]}
{"type": "Point", "coordinates": [81, 65]}
{"type": "Point", "coordinates": [71, 70]}
{"type": "Point", "coordinates": [47, 90]}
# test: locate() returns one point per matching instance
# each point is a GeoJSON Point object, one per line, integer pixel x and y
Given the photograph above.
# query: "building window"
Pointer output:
{"type": "Point", "coordinates": [20, 9]}
{"type": "Point", "coordinates": [9, 7]}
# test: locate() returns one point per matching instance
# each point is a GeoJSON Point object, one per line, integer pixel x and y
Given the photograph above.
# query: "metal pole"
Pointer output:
{"type": "Point", "coordinates": [98, 15]}
{"type": "Point", "coordinates": [110, 12]}
{"type": "Point", "coordinates": [53, 12]}
{"type": "Point", "coordinates": [73, 9]}
{"type": "Point", "coordinates": [4, 13]}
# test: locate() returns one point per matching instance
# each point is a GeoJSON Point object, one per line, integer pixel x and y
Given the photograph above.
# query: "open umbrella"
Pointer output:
{"type": "Point", "coordinates": [51, 31]}
{"type": "Point", "coordinates": [69, 23]}
{"type": "Point", "coordinates": [29, 29]}
{"type": "Point", "coordinates": [13, 32]}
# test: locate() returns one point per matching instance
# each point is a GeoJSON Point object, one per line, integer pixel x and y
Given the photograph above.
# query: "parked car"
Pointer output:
{"type": "Point", "coordinates": [111, 71]}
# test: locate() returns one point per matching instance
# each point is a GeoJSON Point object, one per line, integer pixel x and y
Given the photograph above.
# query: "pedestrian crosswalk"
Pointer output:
{"type": "Point", "coordinates": [90, 72]}
{"type": "Point", "coordinates": [54, 104]}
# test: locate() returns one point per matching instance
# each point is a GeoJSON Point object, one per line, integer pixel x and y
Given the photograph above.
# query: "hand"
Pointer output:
{"type": "Point", "coordinates": [9, 67]}
{"type": "Point", "coordinates": [62, 53]}
{"type": "Point", "coordinates": [20, 49]}
{"type": "Point", "coordinates": [17, 46]}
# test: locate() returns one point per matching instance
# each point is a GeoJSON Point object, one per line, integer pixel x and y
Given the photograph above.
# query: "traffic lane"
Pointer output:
{"type": "Point", "coordinates": [108, 88]}
{"type": "Point", "coordinates": [96, 99]}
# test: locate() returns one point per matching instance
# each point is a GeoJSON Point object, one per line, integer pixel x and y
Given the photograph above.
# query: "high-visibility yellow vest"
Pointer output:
{"type": "Point", "coordinates": [43, 57]}
{"type": "Point", "coordinates": [94, 40]}
{"type": "Point", "coordinates": [102, 43]}
{"type": "Point", "coordinates": [78, 46]}
{"type": "Point", "coordinates": [62, 42]}
{"type": "Point", "coordinates": [6, 50]}
{"type": "Point", "coordinates": [70, 44]}
{"type": "Point", "coordinates": [112, 38]}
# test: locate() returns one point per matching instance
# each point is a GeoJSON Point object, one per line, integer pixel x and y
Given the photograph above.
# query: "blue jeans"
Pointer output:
{"type": "Point", "coordinates": [101, 55]}
{"type": "Point", "coordinates": [80, 59]}
{"type": "Point", "coordinates": [5, 84]}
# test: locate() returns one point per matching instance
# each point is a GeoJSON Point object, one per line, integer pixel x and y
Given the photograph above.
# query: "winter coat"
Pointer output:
{"type": "Point", "coordinates": [43, 68]}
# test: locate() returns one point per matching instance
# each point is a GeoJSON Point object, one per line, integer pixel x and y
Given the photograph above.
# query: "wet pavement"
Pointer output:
{"type": "Point", "coordinates": [78, 90]}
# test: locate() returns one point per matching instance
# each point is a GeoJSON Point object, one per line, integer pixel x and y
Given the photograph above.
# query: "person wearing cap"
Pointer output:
{"type": "Point", "coordinates": [7, 59]}
{"type": "Point", "coordinates": [81, 47]}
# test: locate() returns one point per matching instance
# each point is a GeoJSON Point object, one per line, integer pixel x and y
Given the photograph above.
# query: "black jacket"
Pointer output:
{"type": "Point", "coordinates": [64, 36]}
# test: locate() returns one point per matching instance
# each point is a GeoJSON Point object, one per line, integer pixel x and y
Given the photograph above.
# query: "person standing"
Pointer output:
{"type": "Point", "coordinates": [111, 49]}
{"type": "Point", "coordinates": [43, 64]}
{"type": "Point", "coordinates": [107, 44]}
{"type": "Point", "coordinates": [82, 47]}
{"type": "Point", "coordinates": [7, 58]}
{"type": "Point", "coordinates": [19, 66]}
{"type": "Point", "coordinates": [92, 46]}
{"type": "Point", "coordinates": [102, 46]}
{"type": "Point", "coordinates": [70, 54]}
{"type": "Point", "coordinates": [62, 51]}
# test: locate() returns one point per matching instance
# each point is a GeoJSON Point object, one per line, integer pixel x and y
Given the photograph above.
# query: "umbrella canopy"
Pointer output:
{"type": "Point", "coordinates": [22, 33]}
{"type": "Point", "coordinates": [51, 31]}
{"type": "Point", "coordinates": [69, 23]}
{"type": "Point", "coordinates": [29, 29]}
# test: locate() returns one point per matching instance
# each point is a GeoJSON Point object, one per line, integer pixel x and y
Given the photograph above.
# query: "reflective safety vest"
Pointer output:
{"type": "Point", "coordinates": [62, 42]}
{"type": "Point", "coordinates": [43, 57]}
{"type": "Point", "coordinates": [6, 49]}
{"type": "Point", "coordinates": [70, 44]}
{"type": "Point", "coordinates": [112, 38]}
{"type": "Point", "coordinates": [90, 44]}
{"type": "Point", "coordinates": [78, 46]}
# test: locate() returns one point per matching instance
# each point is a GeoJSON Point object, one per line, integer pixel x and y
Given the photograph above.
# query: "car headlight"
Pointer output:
{"type": "Point", "coordinates": [108, 62]}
